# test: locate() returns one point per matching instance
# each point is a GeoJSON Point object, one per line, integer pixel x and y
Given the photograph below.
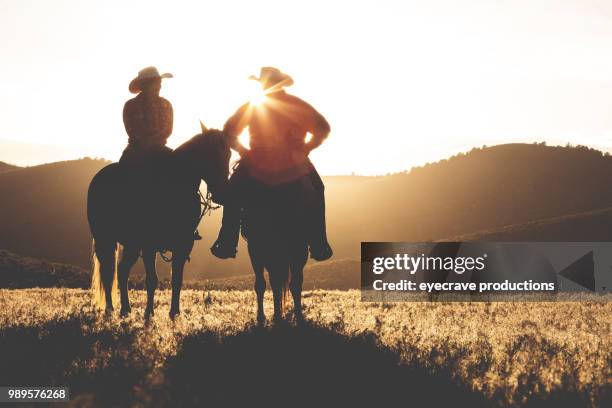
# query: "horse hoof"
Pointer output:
{"type": "Point", "coordinates": [149, 313]}
{"type": "Point", "coordinates": [261, 319]}
{"type": "Point", "coordinates": [108, 312]}
{"type": "Point", "coordinates": [174, 314]}
{"type": "Point", "coordinates": [125, 311]}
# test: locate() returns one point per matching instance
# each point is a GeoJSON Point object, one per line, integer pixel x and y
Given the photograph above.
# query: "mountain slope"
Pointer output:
{"type": "Point", "coordinates": [18, 272]}
{"type": "Point", "coordinates": [493, 187]}
{"type": "Point", "coordinates": [587, 226]}
{"type": "Point", "coordinates": [341, 274]}
{"type": "Point", "coordinates": [4, 167]}
{"type": "Point", "coordinates": [42, 210]}
{"type": "Point", "coordinates": [25, 153]}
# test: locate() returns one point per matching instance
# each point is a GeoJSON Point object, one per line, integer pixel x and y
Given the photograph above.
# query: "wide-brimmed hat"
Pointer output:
{"type": "Point", "coordinates": [144, 75]}
{"type": "Point", "coordinates": [270, 76]}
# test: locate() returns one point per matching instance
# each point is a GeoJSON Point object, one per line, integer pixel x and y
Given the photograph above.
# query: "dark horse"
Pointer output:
{"type": "Point", "coordinates": [150, 212]}
{"type": "Point", "coordinates": [276, 226]}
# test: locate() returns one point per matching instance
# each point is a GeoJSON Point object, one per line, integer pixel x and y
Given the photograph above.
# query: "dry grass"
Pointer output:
{"type": "Point", "coordinates": [511, 353]}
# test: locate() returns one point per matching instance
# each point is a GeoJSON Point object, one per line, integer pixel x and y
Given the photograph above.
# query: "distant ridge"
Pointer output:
{"type": "Point", "coordinates": [84, 161]}
{"type": "Point", "coordinates": [593, 226]}
{"type": "Point", "coordinates": [17, 272]}
{"type": "Point", "coordinates": [339, 274]}
{"type": "Point", "coordinates": [491, 187]}
{"type": "Point", "coordinates": [43, 213]}
{"type": "Point", "coordinates": [4, 167]}
{"type": "Point", "coordinates": [28, 154]}
{"type": "Point", "coordinates": [43, 208]}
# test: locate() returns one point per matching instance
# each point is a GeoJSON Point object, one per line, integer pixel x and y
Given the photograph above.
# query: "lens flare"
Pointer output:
{"type": "Point", "coordinates": [258, 96]}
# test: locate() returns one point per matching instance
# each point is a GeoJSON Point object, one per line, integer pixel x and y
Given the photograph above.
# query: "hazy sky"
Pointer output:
{"type": "Point", "coordinates": [402, 83]}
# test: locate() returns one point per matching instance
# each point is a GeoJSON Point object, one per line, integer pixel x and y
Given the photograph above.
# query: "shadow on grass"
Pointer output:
{"type": "Point", "coordinates": [98, 367]}
{"type": "Point", "coordinates": [281, 365]}
{"type": "Point", "coordinates": [307, 365]}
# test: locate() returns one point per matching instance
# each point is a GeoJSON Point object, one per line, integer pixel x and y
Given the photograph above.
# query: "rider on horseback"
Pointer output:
{"type": "Point", "coordinates": [278, 154]}
{"type": "Point", "coordinates": [147, 118]}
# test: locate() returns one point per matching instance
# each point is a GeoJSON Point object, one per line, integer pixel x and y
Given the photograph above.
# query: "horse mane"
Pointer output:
{"type": "Point", "coordinates": [189, 144]}
{"type": "Point", "coordinates": [201, 139]}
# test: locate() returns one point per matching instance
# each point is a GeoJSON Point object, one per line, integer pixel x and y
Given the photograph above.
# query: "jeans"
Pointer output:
{"type": "Point", "coordinates": [232, 210]}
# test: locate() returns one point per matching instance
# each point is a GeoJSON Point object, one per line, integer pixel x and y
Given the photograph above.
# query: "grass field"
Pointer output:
{"type": "Point", "coordinates": [349, 352]}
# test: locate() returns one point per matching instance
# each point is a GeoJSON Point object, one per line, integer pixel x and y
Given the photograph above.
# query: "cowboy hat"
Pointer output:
{"type": "Point", "coordinates": [270, 76]}
{"type": "Point", "coordinates": [143, 75]}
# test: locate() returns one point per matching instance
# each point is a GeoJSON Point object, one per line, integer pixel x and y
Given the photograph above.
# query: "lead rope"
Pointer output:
{"type": "Point", "coordinates": [163, 256]}
{"type": "Point", "coordinates": [207, 208]}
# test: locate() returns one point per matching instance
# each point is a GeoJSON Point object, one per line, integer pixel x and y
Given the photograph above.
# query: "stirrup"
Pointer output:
{"type": "Point", "coordinates": [321, 252]}
{"type": "Point", "coordinates": [223, 251]}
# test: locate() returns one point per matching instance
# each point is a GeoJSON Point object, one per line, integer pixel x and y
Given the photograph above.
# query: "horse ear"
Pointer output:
{"type": "Point", "coordinates": [203, 127]}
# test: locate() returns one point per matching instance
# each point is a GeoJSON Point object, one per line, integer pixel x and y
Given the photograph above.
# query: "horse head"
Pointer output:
{"type": "Point", "coordinates": [212, 154]}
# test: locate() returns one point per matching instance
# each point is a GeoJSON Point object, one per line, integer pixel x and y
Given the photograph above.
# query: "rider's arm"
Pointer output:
{"type": "Point", "coordinates": [318, 126]}
{"type": "Point", "coordinates": [167, 120]}
{"type": "Point", "coordinates": [235, 125]}
{"type": "Point", "coordinates": [132, 120]}
{"type": "Point", "coordinates": [310, 120]}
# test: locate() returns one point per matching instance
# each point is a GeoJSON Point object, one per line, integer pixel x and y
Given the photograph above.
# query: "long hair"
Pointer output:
{"type": "Point", "coordinates": [97, 287]}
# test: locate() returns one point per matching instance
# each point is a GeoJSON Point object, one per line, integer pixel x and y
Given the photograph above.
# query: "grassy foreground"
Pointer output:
{"type": "Point", "coordinates": [481, 354]}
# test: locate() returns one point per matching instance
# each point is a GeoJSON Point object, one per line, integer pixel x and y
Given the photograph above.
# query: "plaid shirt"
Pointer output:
{"type": "Point", "coordinates": [148, 121]}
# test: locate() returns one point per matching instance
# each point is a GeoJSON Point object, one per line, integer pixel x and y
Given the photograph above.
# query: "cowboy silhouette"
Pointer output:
{"type": "Point", "coordinates": [147, 118]}
{"type": "Point", "coordinates": [278, 155]}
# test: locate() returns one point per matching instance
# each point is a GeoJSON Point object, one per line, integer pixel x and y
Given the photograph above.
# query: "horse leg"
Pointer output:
{"type": "Point", "coordinates": [260, 290]}
{"type": "Point", "coordinates": [277, 281]}
{"type": "Point", "coordinates": [295, 286]}
{"type": "Point", "coordinates": [148, 258]}
{"type": "Point", "coordinates": [106, 254]}
{"type": "Point", "coordinates": [178, 265]}
{"type": "Point", "coordinates": [129, 258]}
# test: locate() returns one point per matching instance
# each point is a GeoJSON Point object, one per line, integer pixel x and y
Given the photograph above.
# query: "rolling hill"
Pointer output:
{"type": "Point", "coordinates": [18, 272]}
{"type": "Point", "coordinates": [4, 167]}
{"type": "Point", "coordinates": [26, 153]}
{"type": "Point", "coordinates": [42, 210]}
{"type": "Point", "coordinates": [340, 274]}
{"type": "Point", "coordinates": [587, 226]}
{"type": "Point", "coordinates": [344, 274]}
{"type": "Point", "coordinates": [336, 274]}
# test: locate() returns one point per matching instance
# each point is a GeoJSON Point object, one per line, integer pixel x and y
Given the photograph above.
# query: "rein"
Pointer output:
{"type": "Point", "coordinates": [207, 205]}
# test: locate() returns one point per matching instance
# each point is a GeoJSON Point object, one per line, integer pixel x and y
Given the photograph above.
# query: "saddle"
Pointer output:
{"type": "Point", "coordinates": [146, 162]}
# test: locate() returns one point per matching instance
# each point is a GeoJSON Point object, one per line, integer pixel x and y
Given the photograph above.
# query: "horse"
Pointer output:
{"type": "Point", "coordinates": [275, 225]}
{"type": "Point", "coordinates": [134, 210]}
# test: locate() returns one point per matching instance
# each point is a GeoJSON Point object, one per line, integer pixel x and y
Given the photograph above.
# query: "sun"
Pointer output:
{"type": "Point", "coordinates": [258, 95]}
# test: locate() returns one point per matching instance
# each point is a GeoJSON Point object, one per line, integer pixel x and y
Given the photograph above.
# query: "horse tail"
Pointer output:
{"type": "Point", "coordinates": [286, 284]}
{"type": "Point", "coordinates": [97, 290]}
{"type": "Point", "coordinates": [97, 286]}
